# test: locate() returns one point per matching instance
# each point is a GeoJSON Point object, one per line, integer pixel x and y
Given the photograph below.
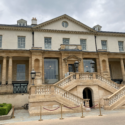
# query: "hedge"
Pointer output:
{"type": "Point", "coordinates": [5, 108]}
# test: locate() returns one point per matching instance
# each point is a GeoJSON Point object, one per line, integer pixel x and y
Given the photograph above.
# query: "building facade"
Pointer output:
{"type": "Point", "coordinates": [51, 48]}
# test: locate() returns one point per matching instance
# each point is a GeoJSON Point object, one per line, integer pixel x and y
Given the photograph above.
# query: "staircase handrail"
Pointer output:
{"type": "Point", "coordinates": [116, 86]}
{"type": "Point", "coordinates": [62, 80]}
{"type": "Point", "coordinates": [115, 97]}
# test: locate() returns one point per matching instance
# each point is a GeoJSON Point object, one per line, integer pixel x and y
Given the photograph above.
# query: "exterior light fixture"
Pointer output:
{"type": "Point", "coordinates": [76, 64]}
{"type": "Point", "coordinates": [33, 74]}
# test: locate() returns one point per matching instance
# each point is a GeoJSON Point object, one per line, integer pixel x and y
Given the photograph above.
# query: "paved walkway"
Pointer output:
{"type": "Point", "coordinates": [114, 117]}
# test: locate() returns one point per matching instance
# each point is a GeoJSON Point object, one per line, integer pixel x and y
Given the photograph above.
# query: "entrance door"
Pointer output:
{"type": "Point", "coordinates": [87, 94]}
{"type": "Point", "coordinates": [71, 68]}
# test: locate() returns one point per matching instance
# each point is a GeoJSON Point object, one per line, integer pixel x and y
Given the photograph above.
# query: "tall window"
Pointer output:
{"type": "Point", "coordinates": [89, 65]}
{"type": "Point", "coordinates": [65, 40]}
{"type": "Point", "coordinates": [47, 43]}
{"type": "Point", "coordinates": [21, 42]}
{"type": "Point", "coordinates": [104, 44]}
{"type": "Point", "coordinates": [0, 41]}
{"type": "Point", "coordinates": [83, 43]}
{"type": "Point", "coordinates": [21, 72]}
{"type": "Point", "coordinates": [120, 44]}
{"type": "Point", "coordinates": [50, 70]}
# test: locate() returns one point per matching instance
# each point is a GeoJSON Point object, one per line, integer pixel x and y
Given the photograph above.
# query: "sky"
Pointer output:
{"type": "Point", "coordinates": [110, 14]}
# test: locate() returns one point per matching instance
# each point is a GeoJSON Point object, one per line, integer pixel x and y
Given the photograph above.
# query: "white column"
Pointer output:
{"type": "Point", "coordinates": [123, 70]}
{"type": "Point", "coordinates": [4, 71]}
{"type": "Point", "coordinates": [10, 71]}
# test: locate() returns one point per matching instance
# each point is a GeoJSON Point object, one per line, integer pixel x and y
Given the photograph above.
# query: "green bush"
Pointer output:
{"type": "Point", "coordinates": [5, 108]}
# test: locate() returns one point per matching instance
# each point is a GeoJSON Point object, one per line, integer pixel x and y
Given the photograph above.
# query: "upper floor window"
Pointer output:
{"type": "Point", "coordinates": [0, 41]}
{"type": "Point", "coordinates": [120, 44]}
{"type": "Point", "coordinates": [21, 42]}
{"type": "Point", "coordinates": [65, 40]}
{"type": "Point", "coordinates": [104, 44]}
{"type": "Point", "coordinates": [83, 43]}
{"type": "Point", "coordinates": [64, 24]}
{"type": "Point", "coordinates": [47, 43]}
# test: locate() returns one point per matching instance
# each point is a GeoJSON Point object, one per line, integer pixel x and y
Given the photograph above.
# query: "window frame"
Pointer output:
{"type": "Point", "coordinates": [51, 43]}
{"type": "Point", "coordinates": [106, 44]}
{"type": "Point", "coordinates": [122, 46]}
{"type": "Point", "coordinates": [18, 42]}
{"type": "Point", "coordinates": [66, 38]}
{"type": "Point", "coordinates": [86, 44]}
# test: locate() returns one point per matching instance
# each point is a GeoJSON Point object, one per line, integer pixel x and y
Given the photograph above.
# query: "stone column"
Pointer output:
{"type": "Point", "coordinates": [4, 71]}
{"type": "Point", "coordinates": [10, 71]}
{"type": "Point", "coordinates": [98, 65]}
{"type": "Point", "coordinates": [123, 70]}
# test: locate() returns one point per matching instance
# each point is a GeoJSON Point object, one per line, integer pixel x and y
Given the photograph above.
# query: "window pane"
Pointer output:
{"type": "Point", "coordinates": [120, 43]}
{"type": "Point", "coordinates": [104, 44]}
{"type": "Point", "coordinates": [47, 42]}
{"type": "Point", "coordinates": [89, 65]}
{"type": "Point", "coordinates": [65, 40]}
{"type": "Point", "coordinates": [21, 72]}
{"type": "Point", "coordinates": [51, 70]}
{"type": "Point", "coordinates": [83, 43]}
{"type": "Point", "coordinates": [0, 41]}
{"type": "Point", "coordinates": [21, 42]}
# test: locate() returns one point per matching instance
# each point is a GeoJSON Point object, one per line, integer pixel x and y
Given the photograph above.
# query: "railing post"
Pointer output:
{"type": "Point", "coordinates": [82, 111]}
{"type": "Point", "coordinates": [52, 89]}
{"type": "Point", "coordinates": [61, 112]}
{"type": "Point", "coordinates": [87, 103]}
{"type": "Point", "coordinates": [40, 113]}
{"type": "Point", "coordinates": [77, 75]}
{"type": "Point", "coordinates": [33, 90]}
{"type": "Point", "coordinates": [94, 76]}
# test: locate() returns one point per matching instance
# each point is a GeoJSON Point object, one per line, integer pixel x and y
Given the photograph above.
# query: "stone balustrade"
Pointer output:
{"type": "Point", "coordinates": [108, 102]}
{"type": "Point", "coordinates": [70, 47]}
{"type": "Point", "coordinates": [56, 90]}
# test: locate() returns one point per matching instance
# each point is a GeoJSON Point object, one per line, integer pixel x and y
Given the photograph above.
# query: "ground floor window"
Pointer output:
{"type": "Point", "coordinates": [51, 72]}
{"type": "Point", "coordinates": [20, 87]}
{"type": "Point", "coordinates": [20, 72]}
{"type": "Point", "coordinates": [89, 65]}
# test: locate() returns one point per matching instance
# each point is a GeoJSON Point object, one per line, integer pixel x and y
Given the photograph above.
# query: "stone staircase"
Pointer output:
{"type": "Point", "coordinates": [116, 100]}
{"type": "Point", "coordinates": [51, 95]}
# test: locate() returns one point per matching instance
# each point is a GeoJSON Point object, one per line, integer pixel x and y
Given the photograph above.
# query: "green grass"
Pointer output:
{"type": "Point", "coordinates": [5, 108]}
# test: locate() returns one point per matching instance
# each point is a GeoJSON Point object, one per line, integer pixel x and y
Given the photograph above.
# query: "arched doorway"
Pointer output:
{"type": "Point", "coordinates": [87, 94]}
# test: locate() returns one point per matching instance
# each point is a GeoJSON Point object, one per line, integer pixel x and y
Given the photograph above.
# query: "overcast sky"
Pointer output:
{"type": "Point", "coordinates": [110, 14]}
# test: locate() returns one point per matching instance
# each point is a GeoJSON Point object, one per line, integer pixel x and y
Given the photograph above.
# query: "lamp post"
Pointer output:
{"type": "Point", "coordinates": [33, 74]}
{"type": "Point", "coordinates": [76, 64]}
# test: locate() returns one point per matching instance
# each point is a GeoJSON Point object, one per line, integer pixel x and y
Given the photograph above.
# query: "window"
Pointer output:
{"type": "Point", "coordinates": [104, 44]}
{"type": "Point", "coordinates": [47, 42]}
{"type": "Point", "coordinates": [21, 72]}
{"type": "Point", "coordinates": [21, 42]}
{"type": "Point", "coordinates": [64, 24]}
{"type": "Point", "coordinates": [120, 44]}
{"type": "Point", "coordinates": [89, 65]}
{"type": "Point", "coordinates": [0, 41]}
{"type": "Point", "coordinates": [51, 70]}
{"type": "Point", "coordinates": [65, 40]}
{"type": "Point", "coordinates": [83, 43]}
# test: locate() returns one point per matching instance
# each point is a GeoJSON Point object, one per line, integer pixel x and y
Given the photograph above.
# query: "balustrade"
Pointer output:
{"type": "Point", "coordinates": [115, 97]}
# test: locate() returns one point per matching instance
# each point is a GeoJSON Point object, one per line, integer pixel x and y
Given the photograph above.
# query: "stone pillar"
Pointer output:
{"type": "Point", "coordinates": [10, 71]}
{"type": "Point", "coordinates": [123, 70]}
{"type": "Point", "coordinates": [4, 71]}
{"type": "Point", "coordinates": [98, 65]}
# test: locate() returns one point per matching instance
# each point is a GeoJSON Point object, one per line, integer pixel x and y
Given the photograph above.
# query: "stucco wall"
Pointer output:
{"type": "Point", "coordinates": [112, 42]}
{"type": "Point", "coordinates": [57, 39]}
{"type": "Point", "coordinates": [18, 100]}
{"type": "Point", "coordinates": [10, 39]}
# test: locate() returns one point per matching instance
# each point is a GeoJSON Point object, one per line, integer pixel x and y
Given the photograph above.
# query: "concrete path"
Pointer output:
{"type": "Point", "coordinates": [114, 117]}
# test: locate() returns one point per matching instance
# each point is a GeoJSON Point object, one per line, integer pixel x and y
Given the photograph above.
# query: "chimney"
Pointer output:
{"type": "Point", "coordinates": [34, 21]}
{"type": "Point", "coordinates": [97, 27]}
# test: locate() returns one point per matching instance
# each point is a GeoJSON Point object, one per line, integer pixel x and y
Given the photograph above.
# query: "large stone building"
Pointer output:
{"type": "Point", "coordinates": [51, 48]}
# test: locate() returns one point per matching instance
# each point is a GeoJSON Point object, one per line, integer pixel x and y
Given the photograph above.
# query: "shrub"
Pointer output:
{"type": "Point", "coordinates": [5, 108]}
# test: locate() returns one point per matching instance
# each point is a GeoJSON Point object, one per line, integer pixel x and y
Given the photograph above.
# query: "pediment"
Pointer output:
{"type": "Point", "coordinates": [56, 24]}
{"type": "Point", "coordinates": [72, 57]}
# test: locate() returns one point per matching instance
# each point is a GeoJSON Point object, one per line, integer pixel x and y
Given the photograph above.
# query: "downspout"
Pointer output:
{"type": "Point", "coordinates": [33, 39]}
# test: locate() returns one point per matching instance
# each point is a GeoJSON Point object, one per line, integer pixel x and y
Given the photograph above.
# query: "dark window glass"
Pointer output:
{"type": "Point", "coordinates": [51, 70]}
{"type": "Point", "coordinates": [71, 68]}
{"type": "Point", "coordinates": [89, 65]}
